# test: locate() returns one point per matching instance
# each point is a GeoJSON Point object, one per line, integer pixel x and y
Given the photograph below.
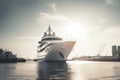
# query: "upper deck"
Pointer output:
{"type": "Point", "coordinates": [49, 35]}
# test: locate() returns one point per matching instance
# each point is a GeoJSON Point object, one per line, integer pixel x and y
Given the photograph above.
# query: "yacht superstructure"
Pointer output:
{"type": "Point", "coordinates": [53, 48]}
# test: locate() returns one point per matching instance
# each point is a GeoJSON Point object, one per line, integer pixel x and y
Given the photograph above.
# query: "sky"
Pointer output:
{"type": "Point", "coordinates": [93, 24]}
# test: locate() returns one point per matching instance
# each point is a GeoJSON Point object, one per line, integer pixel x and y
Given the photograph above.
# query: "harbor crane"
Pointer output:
{"type": "Point", "coordinates": [100, 50]}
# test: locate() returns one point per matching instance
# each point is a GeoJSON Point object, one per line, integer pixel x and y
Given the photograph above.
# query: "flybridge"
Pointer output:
{"type": "Point", "coordinates": [50, 35]}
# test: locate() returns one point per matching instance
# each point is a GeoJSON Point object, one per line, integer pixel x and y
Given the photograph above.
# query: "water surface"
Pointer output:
{"type": "Point", "coordinates": [72, 70]}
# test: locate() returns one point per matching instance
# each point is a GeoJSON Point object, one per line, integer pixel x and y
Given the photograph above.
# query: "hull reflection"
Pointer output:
{"type": "Point", "coordinates": [52, 71]}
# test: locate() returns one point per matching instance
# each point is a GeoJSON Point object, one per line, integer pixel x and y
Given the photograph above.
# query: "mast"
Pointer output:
{"type": "Point", "coordinates": [49, 30]}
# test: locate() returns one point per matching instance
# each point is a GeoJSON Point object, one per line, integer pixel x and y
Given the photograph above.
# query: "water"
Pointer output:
{"type": "Point", "coordinates": [72, 70]}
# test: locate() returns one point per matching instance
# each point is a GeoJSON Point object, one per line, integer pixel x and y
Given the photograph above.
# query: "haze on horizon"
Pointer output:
{"type": "Point", "coordinates": [92, 23]}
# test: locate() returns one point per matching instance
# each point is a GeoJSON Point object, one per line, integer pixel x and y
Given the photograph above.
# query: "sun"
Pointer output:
{"type": "Point", "coordinates": [76, 30]}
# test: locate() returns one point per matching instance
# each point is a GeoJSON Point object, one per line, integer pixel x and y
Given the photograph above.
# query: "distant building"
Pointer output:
{"type": "Point", "coordinates": [114, 51]}
{"type": "Point", "coordinates": [6, 54]}
{"type": "Point", "coordinates": [118, 51]}
{"type": "Point", "coordinates": [1, 53]}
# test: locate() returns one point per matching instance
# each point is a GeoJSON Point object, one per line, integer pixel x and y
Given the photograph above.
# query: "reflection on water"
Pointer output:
{"type": "Point", "coordinates": [18, 71]}
{"type": "Point", "coordinates": [52, 71]}
{"type": "Point", "coordinates": [72, 70]}
{"type": "Point", "coordinates": [83, 70]}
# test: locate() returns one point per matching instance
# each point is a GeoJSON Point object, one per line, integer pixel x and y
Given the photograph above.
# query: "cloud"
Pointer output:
{"type": "Point", "coordinates": [53, 7]}
{"type": "Point", "coordinates": [55, 16]}
{"type": "Point", "coordinates": [109, 2]}
{"type": "Point", "coordinates": [25, 37]}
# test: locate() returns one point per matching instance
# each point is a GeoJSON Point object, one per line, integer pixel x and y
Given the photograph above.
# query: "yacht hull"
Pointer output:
{"type": "Point", "coordinates": [59, 51]}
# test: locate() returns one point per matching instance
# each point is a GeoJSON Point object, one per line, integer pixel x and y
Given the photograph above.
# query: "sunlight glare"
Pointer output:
{"type": "Point", "coordinates": [76, 30]}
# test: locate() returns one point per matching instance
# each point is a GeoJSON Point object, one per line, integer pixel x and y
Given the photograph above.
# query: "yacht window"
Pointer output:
{"type": "Point", "coordinates": [51, 39]}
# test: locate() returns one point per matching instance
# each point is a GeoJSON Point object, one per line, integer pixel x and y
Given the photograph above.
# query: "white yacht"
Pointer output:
{"type": "Point", "coordinates": [53, 48]}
